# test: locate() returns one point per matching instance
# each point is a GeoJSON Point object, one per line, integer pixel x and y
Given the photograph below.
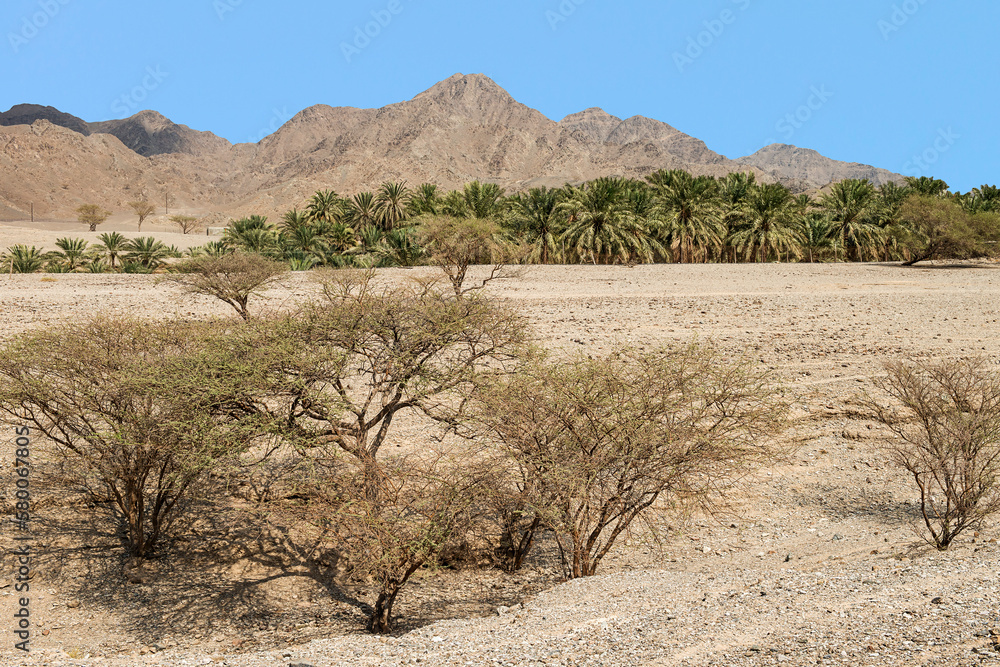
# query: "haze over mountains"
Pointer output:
{"type": "Point", "coordinates": [463, 128]}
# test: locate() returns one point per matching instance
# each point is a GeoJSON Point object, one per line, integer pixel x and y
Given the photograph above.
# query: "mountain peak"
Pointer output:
{"type": "Point", "coordinates": [465, 87]}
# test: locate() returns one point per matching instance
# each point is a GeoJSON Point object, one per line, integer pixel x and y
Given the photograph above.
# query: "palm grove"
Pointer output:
{"type": "Point", "coordinates": [671, 216]}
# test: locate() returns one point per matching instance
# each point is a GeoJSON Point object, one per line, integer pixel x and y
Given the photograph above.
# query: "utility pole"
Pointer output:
{"type": "Point", "coordinates": [166, 202]}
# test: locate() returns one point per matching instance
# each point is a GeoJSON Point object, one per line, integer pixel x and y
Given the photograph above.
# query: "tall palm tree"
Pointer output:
{"type": "Point", "coordinates": [391, 204]}
{"type": "Point", "coordinates": [817, 235]}
{"type": "Point", "coordinates": [691, 213]}
{"type": "Point", "coordinates": [768, 224]}
{"type": "Point", "coordinates": [113, 245]}
{"type": "Point", "coordinates": [886, 215]}
{"type": "Point", "coordinates": [325, 206]}
{"type": "Point", "coordinates": [851, 204]}
{"type": "Point", "coordinates": [734, 189]}
{"type": "Point", "coordinates": [601, 225]}
{"type": "Point", "coordinates": [363, 211]}
{"type": "Point", "coordinates": [536, 218]}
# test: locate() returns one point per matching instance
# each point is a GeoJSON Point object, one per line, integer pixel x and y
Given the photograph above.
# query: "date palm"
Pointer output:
{"type": "Point", "coordinates": [816, 235]}
{"type": "Point", "coordinates": [72, 252]}
{"type": "Point", "coordinates": [112, 245]}
{"type": "Point", "coordinates": [253, 234]}
{"type": "Point", "coordinates": [325, 206]}
{"type": "Point", "coordinates": [536, 219]}
{"type": "Point", "coordinates": [851, 205]}
{"type": "Point", "coordinates": [602, 227]}
{"type": "Point", "coordinates": [767, 227]}
{"type": "Point", "coordinates": [294, 219]}
{"type": "Point", "coordinates": [483, 200]}
{"type": "Point", "coordinates": [691, 213]}
{"type": "Point", "coordinates": [425, 201]}
{"type": "Point", "coordinates": [925, 185]}
{"type": "Point", "coordinates": [147, 252]}
{"type": "Point", "coordinates": [363, 210]}
{"type": "Point", "coordinates": [391, 204]}
{"type": "Point", "coordinates": [734, 190]}
{"type": "Point", "coordinates": [22, 259]}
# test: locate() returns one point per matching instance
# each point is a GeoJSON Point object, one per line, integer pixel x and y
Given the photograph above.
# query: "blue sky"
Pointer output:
{"type": "Point", "coordinates": [907, 85]}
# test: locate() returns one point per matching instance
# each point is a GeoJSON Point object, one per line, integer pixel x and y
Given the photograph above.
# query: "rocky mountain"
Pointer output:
{"type": "Point", "coordinates": [26, 114]}
{"type": "Point", "coordinates": [794, 165]}
{"type": "Point", "coordinates": [464, 128]}
{"type": "Point", "coordinates": [149, 133]}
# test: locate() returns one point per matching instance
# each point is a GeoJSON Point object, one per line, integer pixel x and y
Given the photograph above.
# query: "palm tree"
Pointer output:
{"type": "Point", "coordinates": [425, 201]}
{"type": "Point", "coordinates": [925, 185]}
{"type": "Point", "coordinates": [147, 252]}
{"type": "Point", "coordinates": [767, 228]}
{"type": "Point", "coordinates": [113, 245]}
{"type": "Point", "coordinates": [734, 190]}
{"type": "Point", "coordinates": [892, 229]}
{"type": "Point", "coordinates": [851, 204]}
{"type": "Point", "coordinates": [391, 204]}
{"type": "Point", "coordinates": [253, 234]}
{"type": "Point", "coordinates": [305, 239]}
{"type": "Point", "coordinates": [72, 252]}
{"type": "Point", "coordinates": [363, 210]}
{"type": "Point", "coordinates": [483, 200]}
{"type": "Point", "coordinates": [400, 247]}
{"type": "Point", "coordinates": [535, 216]}
{"type": "Point", "coordinates": [691, 213]}
{"type": "Point", "coordinates": [984, 199]}
{"type": "Point", "coordinates": [326, 206]}
{"type": "Point", "coordinates": [294, 219]}
{"type": "Point", "coordinates": [601, 225]}
{"type": "Point", "coordinates": [816, 235]}
{"type": "Point", "coordinates": [22, 259]}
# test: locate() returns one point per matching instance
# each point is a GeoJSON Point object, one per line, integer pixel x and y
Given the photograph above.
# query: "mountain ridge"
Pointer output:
{"type": "Point", "coordinates": [463, 128]}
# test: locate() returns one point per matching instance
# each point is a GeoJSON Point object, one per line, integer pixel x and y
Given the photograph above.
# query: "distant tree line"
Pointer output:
{"type": "Point", "coordinates": [671, 216]}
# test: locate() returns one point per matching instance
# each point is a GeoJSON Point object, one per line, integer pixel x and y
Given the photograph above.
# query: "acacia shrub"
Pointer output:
{"type": "Point", "coordinates": [143, 410]}
{"type": "Point", "coordinates": [945, 421]}
{"type": "Point", "coordinates": [586, 446]}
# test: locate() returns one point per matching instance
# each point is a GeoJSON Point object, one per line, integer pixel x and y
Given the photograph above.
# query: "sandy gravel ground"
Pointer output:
{"type": "Point", "coordinates": [817, 563]}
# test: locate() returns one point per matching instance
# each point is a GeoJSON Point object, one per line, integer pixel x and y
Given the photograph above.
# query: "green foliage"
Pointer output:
{"type": "Point", "coordinates": [22, 259]}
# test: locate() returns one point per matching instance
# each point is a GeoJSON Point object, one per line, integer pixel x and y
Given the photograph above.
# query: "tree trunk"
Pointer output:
{"type": "Point", "coordinates": [380, 621]}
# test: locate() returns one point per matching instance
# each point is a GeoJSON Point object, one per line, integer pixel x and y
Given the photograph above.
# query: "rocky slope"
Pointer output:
{"type": "Point", "coordinates": [463, 128]}
{"type": "Point", "coordinates": [791, 163]}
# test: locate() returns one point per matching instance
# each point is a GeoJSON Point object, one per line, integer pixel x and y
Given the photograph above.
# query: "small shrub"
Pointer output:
{"type": "Point", "coordinates": [945, 419]}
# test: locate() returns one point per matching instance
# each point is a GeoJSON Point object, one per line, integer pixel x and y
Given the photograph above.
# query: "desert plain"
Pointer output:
{"type": "Point", "coordinates": [817, 561]}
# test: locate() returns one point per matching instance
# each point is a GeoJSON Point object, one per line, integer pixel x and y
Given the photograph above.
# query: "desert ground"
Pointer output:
{"type": "Point", "coordinates": [814, 562]}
